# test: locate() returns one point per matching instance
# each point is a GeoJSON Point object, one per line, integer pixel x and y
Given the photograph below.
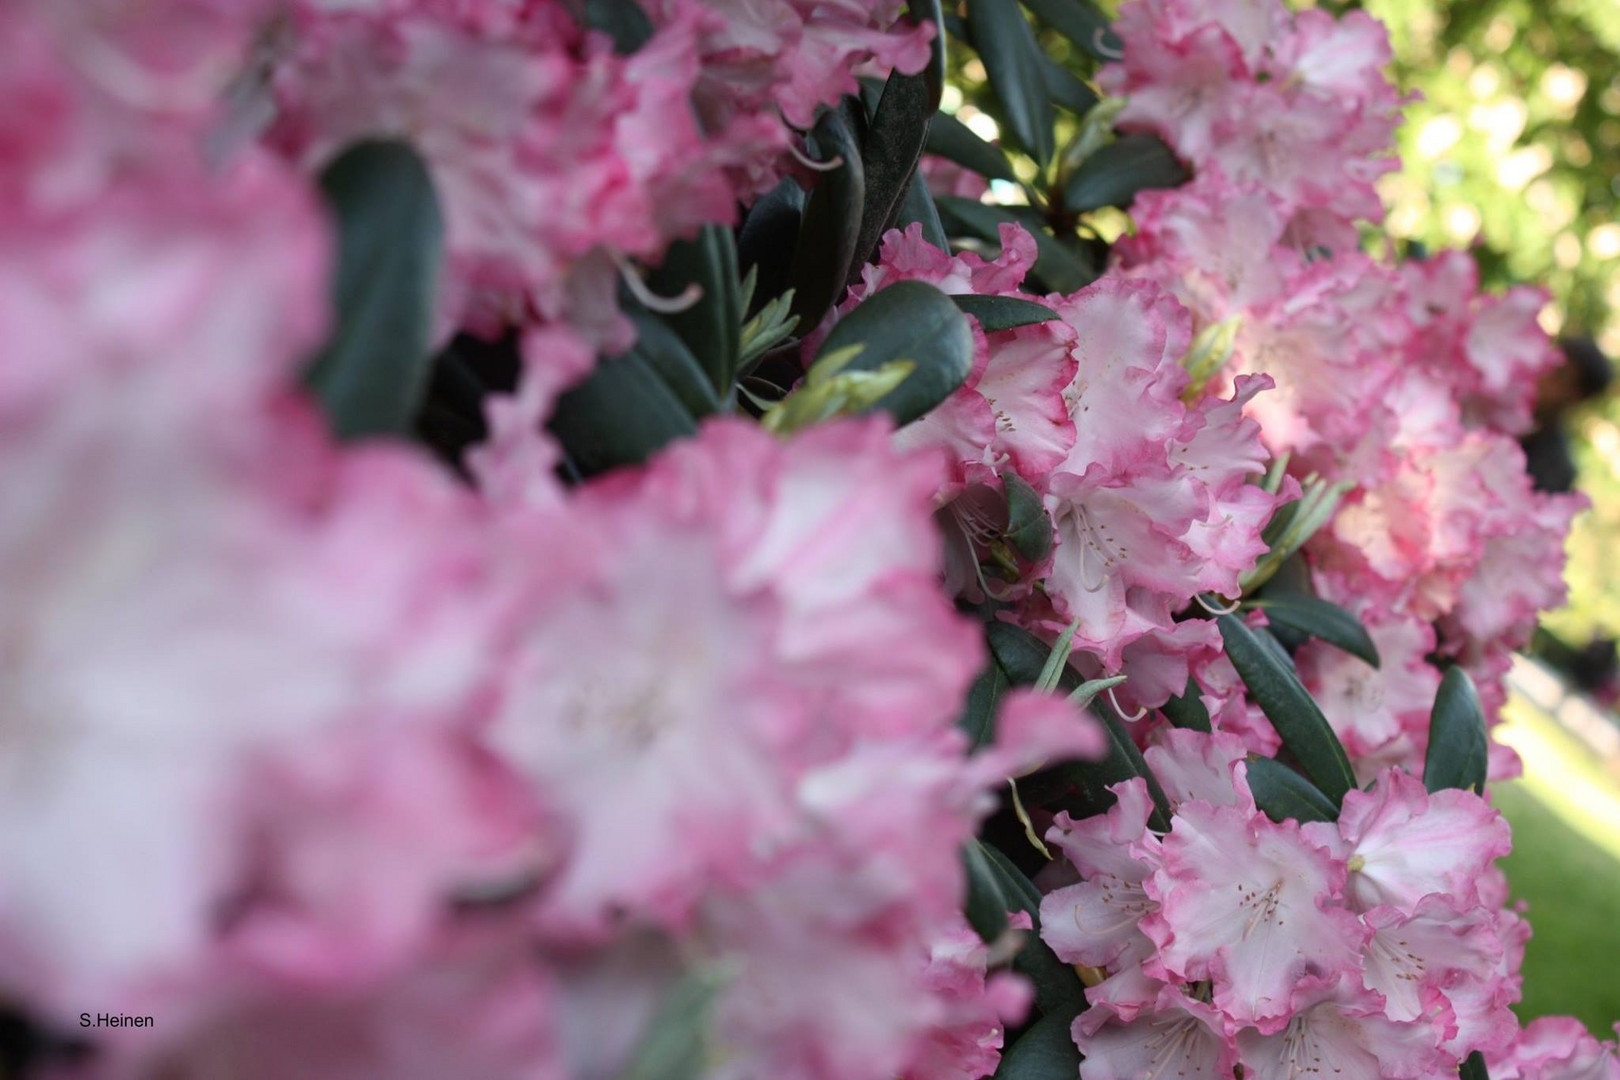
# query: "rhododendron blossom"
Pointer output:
{"type": "Point", "coordinates": [429, 651]}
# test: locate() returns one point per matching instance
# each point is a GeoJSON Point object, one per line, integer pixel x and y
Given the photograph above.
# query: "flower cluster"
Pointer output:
{"type": "Point", "coordinates": [345, 763]}
{"type": "Point", "coordinates": [1377, 943]}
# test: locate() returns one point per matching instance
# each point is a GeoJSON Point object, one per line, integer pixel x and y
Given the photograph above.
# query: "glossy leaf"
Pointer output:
{"type": "Point", "coordinates": [622, 20]}
{"type": "Point", "coordinates": [1113, 175]}
{"type": "Point", "coordinates": [1320, 619]}
{"type": "Point", "coordinates": [1458, 747]}
{"type": "Point", "coordinates": [1012, 61]}
{"type": "Point", "coordinates": [918, 206]}
{"type": "Point", "coordinates": [950, 138]}
{"type": "Point", "coordinates": [930, 11]}
{"type": "Point", "coordinates": [1188, 711]}
{"type": "Point", "coordinates": [889, 154]}
{"type": "Point", "coordinates": [1081, 23]}
{"type": "Point", "coordinates": [832, 218]}
{"type": "Point", "coordinates": [1298, 720]}
{"type": "Point", "coordinates": [1057, 988]}
{"type": "Point", "coordinates": [996, 313]}
{"type": "Point", "coordinates": [1285, 795]}
{"type": "Point", "coordinates": [1473, 1068]}
{"type": "Point", "coordinates": [908, 321]}
{"type": "Point", "coordinates": [768, 240]}
{"type": "Point", "coordinates": [1029, 528]}
{"type": "Point", "coordinates": [669, 358]}
{"type": "Point", "coordinates": [620, 415]}
{"type": "Point", "coordinates": [372, 375]}
{"type": "Point", "coordinates": [1082, 785]}
{"type": "Point", "coordinates": [1064, 88]}
{"type": "Point", "coordinates": [711, 326]}
{"type": "Point", "coordinates": [987, 905]}
{"type": "Point", "coordinates": [984, 698]}
{"type": "Point", "coordinates": [1045, 1051]}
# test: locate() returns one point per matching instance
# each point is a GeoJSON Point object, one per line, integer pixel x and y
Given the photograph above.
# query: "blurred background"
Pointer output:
{"type": "Point", "coordinates": [1513, 151]}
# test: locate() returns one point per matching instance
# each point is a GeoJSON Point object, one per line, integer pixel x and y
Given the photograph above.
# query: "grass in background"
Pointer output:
{"type": "Point", "coordinates": [1565, 814]}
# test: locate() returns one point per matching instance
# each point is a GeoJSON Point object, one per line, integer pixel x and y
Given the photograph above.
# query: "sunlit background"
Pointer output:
{"type": "Point", "coordinates": [1513, 151]}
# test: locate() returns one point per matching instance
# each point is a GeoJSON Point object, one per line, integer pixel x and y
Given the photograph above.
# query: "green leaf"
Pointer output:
{"type": "Point", "coordinates": [978, 717]}
{"type": "Point", "coordinates": [1057, 988]}
{"type": "Point", "coordinates": [1062, 268]}
{"type": "Point", "coordinates": [667, 355]}
{"type": "Point", "coordinates": [1083, 783]}
{"type": "Point", "coordinates": [1045, 1051]}
{"type": "Point", "coordinates": [620, 415]}
{"type": "Point", "coordinates": [769, 238]}
{"type": "Point", "coordinates": [1321, 619]}
{"type": "Point", "coordinates": [621, 20]}
{"type": "Point", "coordinates": [1188, 711]}
{"type": "Point", "coordinates": [987, 904]}
{"type": "Point", "coordinates": [832, 219]}
{"type": "Point", "coordinates": [1029, 529]}
{"type": "Point", "coordinates": [372, 374]}
{"type": "Point", "coordinates": [1113, 175]}
{"type": "Point", "coordinates": [950, 138]}
{"type": "Point", "coordinates": [1012, 62]}
{"type": "Point", "coordinates": [908, 321]}
{"type": "Point", "coordinates": [1081, 23]}
{"type": "Point", "coordinates": [889, 154]}
{"type": "Point", "coordinates": [1064, 88]}
{"type": "Point", "coordinates": [1457, 751]}
{"type": "Point", "coordinates": [711, 327]}
{"type": "Point", "coordinates": [918, 206]}
{"type": "Point", "coordinates": [675, 1045]}
{"type": "Point", "coordinates": [930, 11]}
{"type": "Point", "coordinates": [1473, 1068]}
{"type": "Point", "coordinates": [1298, 720]}
{"type": "Point", "coordinates": [1284, 794]}
{"type": "Point", "coordinates": [996, 313]}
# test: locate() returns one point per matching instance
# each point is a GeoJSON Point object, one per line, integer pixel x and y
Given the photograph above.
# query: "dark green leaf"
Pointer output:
{"type": "Point", "coordinates": [1113, 175]}
{"type": "Point", "coordinates": [390, 242]}
{"type": "Point", "coordinates": [1084, 783]}
{"type": "Point", "coordinates": [930, 11]}
{"type": "Point", "coordinates": [832, 218]}
{"type": "Point", "coordinates": [1457, 744]}
{"type": "Point", "coordinates": [620, 415]}
{"type": "Point", "coordinates": [984, 698]}
{"type": "Point", "coordinates": [908, 321]}
{"type": "Point", "coordinates": [1057, 988]}
{"type": "Point", "coordinates": [987, 905]}
{"type": "Point", "coordinates": [1045, 1051]}
{"type": "Point", "coordinates": [1012, 62]}
{"type": "Point", "coordinates": [1029, 529]}
{"type": "Point", "coordinates": [1322, 619]}
{"type": "Point", "coordinates": [675, 1044]}
{"type": "Point", "coordinates": [1188, 711]}
{"type": "Point", "coordinates": [1081, 23]}
{"type": "Point", "coordinates": [1298, 720]}
{"type": "Point", "coordinates": [1003, 312]}
{"type": "Point", "coordinates": [1062, 268]}
{"type": "Point", "coordinates": [1284, 794]}
{"type": "Point", "coordinates": [712, 326]}
{"type": "Point", "coordinates": [918, 206]}
{"type": "Point", "coordinates": [950, 138]}
{"type": "Point", "coordinates": [669, 358]}
{"type": "Point", "coordinates": [1065, 89]}
{"type": "Point", "coordinates": [768, 239]}
{"type": "Point", "coordinates": [889, 153]}
{"type": "Point", "coordinates": [1473, 1068]}
{"type": "Point", "coordinates": [621, 20]}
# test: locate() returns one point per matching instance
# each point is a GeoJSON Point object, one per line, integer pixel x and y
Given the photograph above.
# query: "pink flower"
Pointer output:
{"type": "Point", "coordinates": [1250, 904]}
{"type": "Point", "coordinates": [1095, 922]}
{"type": "Point", "coordinates": [1335, 1025]}
{"type": "Point", "coordinates": [1556, 1048]}
{"type": "Point", "coordinates": [1403, 844]}
{"type": "Point", "coordinates": [1179, 1037]}
{"type": "Point", "coordinates": [676, 750]}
